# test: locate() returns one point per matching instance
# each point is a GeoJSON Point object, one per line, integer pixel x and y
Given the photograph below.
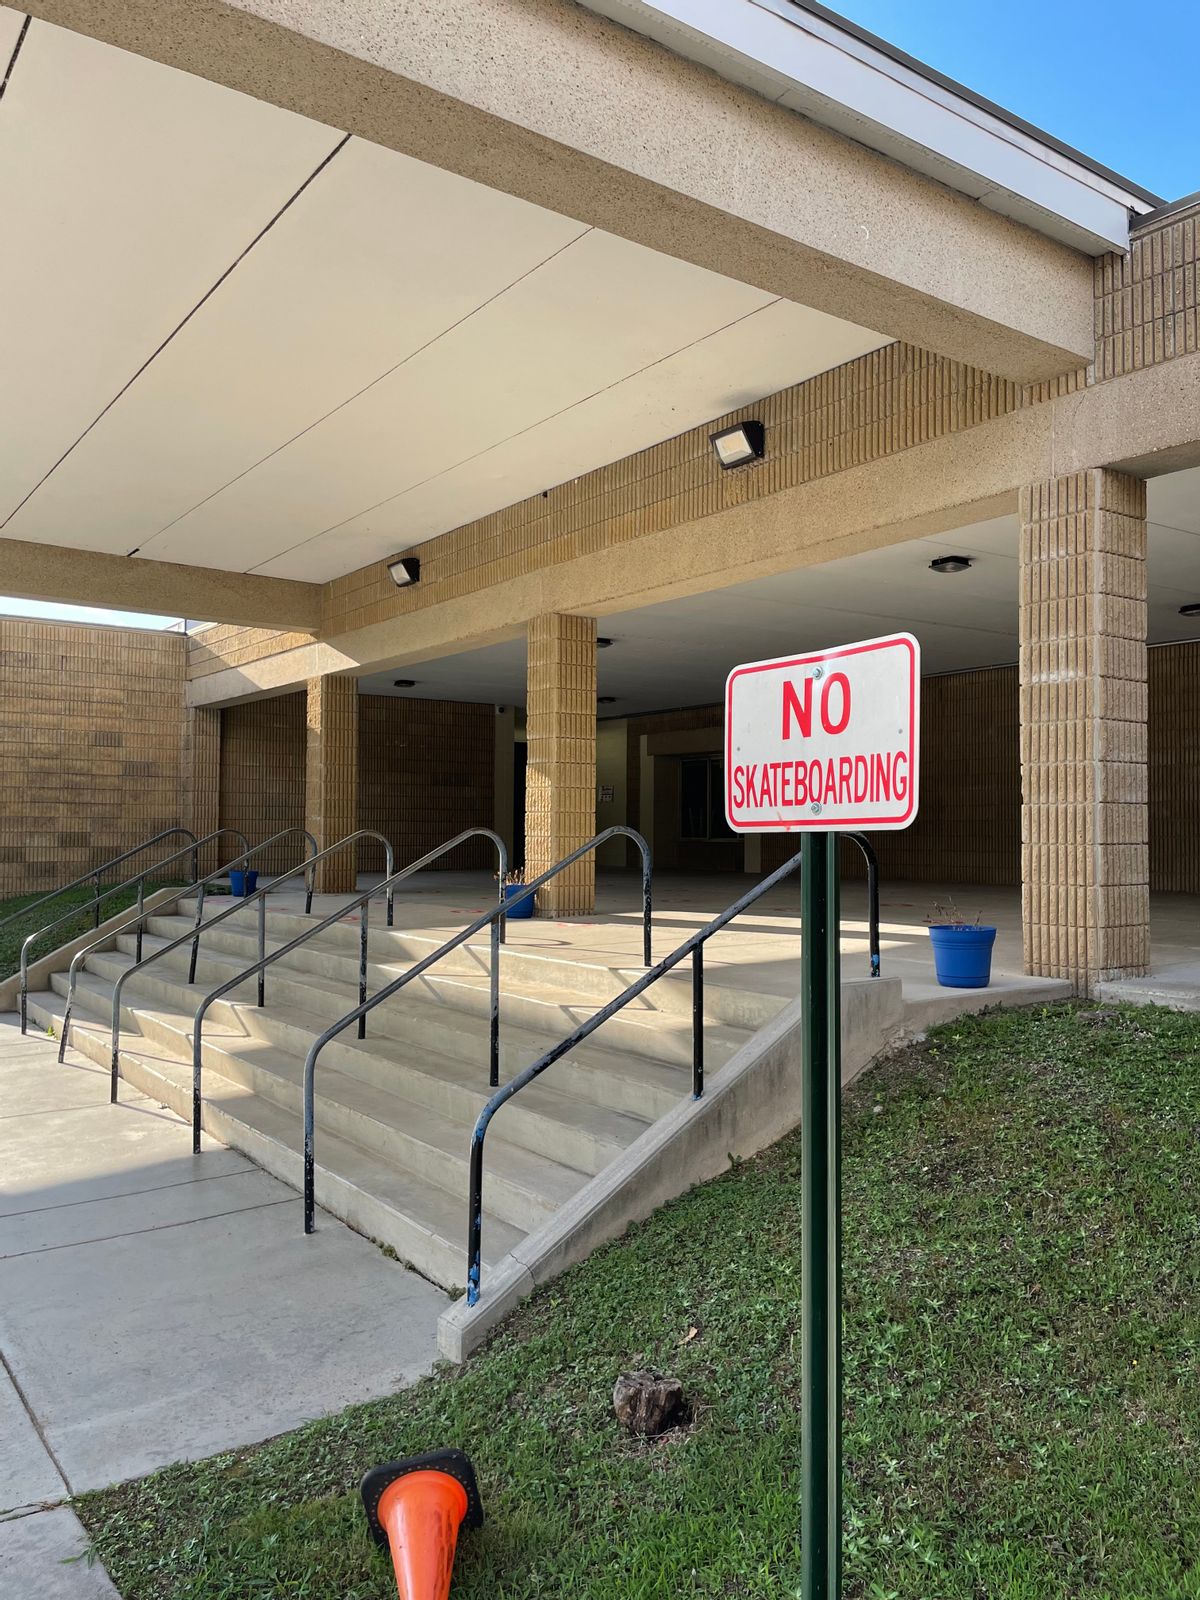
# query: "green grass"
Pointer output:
{"type": "Point", "coordinates": [1022, 1270]}
{"type": "Point", "coordinates": [12, 937]}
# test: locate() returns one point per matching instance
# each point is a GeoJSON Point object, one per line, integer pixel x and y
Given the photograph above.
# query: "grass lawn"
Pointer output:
{"type": "Point", "coordinates": [12, 937]}
{"type": "Point", "coordinates": [1022, 1267]}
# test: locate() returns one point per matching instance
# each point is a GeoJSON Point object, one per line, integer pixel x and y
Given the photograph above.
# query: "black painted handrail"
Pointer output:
{"type": "Point", "coordinates": [362, 903]}
{"type": "Point", "coordinates": [140, 924]}
{"type": "Point", "coordinates": [258, 896]}
{"type": "Point", "coordinates": [693, 946]}
{"type": "Point", "coordinates": [140, 882]}
{"type": "Point", "coordinates": [310, 1061]}
{"type": "Point", "coordinates": [94, 875]}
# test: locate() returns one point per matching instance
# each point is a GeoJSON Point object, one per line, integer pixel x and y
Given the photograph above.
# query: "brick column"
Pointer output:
{"type": "Point", "coordinates": [331, 786]}
{"type": "Point", "coordinates": [560, 793]}
{"type": "Point", "coordinates": [201, 788]}
{"type": "Point", "coordinates": [1085, 856]}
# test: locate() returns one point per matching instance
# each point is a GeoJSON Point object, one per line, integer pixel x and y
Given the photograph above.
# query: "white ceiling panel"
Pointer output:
{"type": "Point", "coordinates": [588, 317]}
{"type": "Point", "coordinates": [126, 189]}
{"type": "Point", "coordinates": [780, 344]}
{"type": "Point", "coordinates": [10, 31]}
{"type": "Point", "coordinates": [349, 282]}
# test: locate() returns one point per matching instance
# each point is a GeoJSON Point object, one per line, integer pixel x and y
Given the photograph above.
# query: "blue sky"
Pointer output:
{"type": "Point", "coordinates": [1119, 84]}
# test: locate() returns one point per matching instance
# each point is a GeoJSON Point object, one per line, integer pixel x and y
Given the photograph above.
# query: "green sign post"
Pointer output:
{"type": "Point", "coordinates": [818, 744]}
{"type": "Point", "coordinates": [821, 1222]}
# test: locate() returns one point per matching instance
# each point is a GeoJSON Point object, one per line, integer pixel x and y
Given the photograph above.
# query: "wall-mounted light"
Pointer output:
{"type": "Point", "coordinates": [739, 445]}
{"type": "Point", "coordinates": [405, 571]}
{"type": "Point", "coordinates": [404, 683]}
{"type": "Point", "coordinates": [950, 564]}
{"type": "Point", "coordinates": [1192, 609]}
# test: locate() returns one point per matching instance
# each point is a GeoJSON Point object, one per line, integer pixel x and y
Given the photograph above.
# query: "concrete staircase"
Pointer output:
{"type": "Point", "coordinates": [394, 1113]}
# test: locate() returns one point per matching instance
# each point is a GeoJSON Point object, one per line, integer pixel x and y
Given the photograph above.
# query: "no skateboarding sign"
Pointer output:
{"type": "Point", "coordinates": [825, 741]}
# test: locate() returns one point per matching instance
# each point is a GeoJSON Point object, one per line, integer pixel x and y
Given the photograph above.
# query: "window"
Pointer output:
{"type": "Point", "coordinates": [702, 799]}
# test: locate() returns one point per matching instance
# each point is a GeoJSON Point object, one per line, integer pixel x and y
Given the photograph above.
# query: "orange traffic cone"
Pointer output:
{"type": "Point", "coordinates": [415, 1509]}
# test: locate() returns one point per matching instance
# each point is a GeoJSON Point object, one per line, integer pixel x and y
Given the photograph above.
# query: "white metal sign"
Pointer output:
{"type": "Point", "coordinates": [824, 741]}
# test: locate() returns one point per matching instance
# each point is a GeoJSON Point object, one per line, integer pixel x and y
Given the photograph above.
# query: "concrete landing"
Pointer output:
{"type": "Point", "coordinates": [156, 1306]}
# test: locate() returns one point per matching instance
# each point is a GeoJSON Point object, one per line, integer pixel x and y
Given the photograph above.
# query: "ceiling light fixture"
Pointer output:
{"type": "Point", "coordinates": [603, 644]}
{"type": "Point", "coordinates": [950, 564]}
{"type": "Point", "coordinates": [404, 683]}
{"type": "Point", "coordinates": [739, 445]}
{"type": "Point", "coordinates": [1192, 609]}
{"type": "Point", "coordinates": [606, 699]}
{"type": "Point", "coordinates": [405, 571]}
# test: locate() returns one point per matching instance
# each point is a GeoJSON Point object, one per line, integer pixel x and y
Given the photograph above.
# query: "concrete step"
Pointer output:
{"type": "Point", "coordinates": [630, 1081]}
{"type": "Point", "coordinates": [424, 1224]}
{"type": "Point", "coordinates": [550, 1007]}
{"type": "Point", "coordinates": [588, 981]}
{"type": "Point", "coordinates": [524, 1185]}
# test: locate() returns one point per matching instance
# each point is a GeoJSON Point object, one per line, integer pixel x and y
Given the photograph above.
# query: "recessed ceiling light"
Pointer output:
{"type": "Point", "coordinates": [950, 564]}
{"type": "Point", "coordinates": [405, 571]}
{"type": "Point", "coordinates": [1190, 610]}
{"type": "Point", "coordinates": [739, 445]}
{"type": "Point", "coordinates": [606, 699]}
{"type": "Point", "coordinates": [404, 683]}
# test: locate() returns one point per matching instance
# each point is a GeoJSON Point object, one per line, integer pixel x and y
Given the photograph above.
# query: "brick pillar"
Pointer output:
{"type": "Point", "coordinates": [560, 793]}
{"type": "Point", "coordinates": [201, 787]}
{"type": "Point", "coordinates": [1085, 856]}
{"type": "Point", "coordinates": [331, 788]}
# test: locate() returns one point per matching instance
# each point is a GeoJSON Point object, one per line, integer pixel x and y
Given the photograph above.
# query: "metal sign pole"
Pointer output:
{"type": "Point", "coordinates": [821, 1223]}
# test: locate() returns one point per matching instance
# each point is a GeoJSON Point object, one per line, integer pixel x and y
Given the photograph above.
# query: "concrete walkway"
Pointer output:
{"type": "Point", "coordinates": [156, 1306]}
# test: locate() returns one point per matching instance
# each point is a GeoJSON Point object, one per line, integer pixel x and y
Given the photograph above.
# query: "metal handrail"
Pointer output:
{"type": "Point", "coordinates": [693, 946]}
{"type": "Point", "coordinates": [362, 903]}
{"type": "Point", "coordinates": [81, 955]}
{"type": "Point", "coordinates": [310, 1061]}
{"type": "Point", "coordinates": [115, 888]}
{"type": "Point", "coordinates": [310, 879]}
{"type": "Point", "coordinates": [94, 875]}
{"type": "Point", "coordinates": [240, 904]}
{"type": "Point", "coordinates": [872, 860]}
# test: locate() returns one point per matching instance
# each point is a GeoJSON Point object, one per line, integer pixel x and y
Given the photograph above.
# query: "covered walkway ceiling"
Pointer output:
{"type": "Point", "coordinates": [236, 339]}
{"type": "Point", "coordinates": [680, 653]}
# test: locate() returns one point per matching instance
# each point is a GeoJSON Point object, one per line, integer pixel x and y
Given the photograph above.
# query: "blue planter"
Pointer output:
{"type": "Point", "coordinates": [962, 955]}
{"type": "Point", "coordinates": [243, 883]}
{"type": "Point", "coordinates": [520, 900]}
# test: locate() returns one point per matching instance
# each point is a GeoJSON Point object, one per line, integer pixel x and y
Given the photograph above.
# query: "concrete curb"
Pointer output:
{"type": "Point", "coordinates": [748, 1104]}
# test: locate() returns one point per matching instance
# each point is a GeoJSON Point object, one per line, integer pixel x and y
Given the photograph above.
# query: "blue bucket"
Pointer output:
{"type": "Point", "coordinates": [962, 955]}
{"type": "Point", "coordinates": [519, 900]}
{"type": "Point", "coordinates": [242, 883]}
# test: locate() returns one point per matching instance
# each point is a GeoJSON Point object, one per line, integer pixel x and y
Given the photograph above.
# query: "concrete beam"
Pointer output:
{"type": "Point", "coordinates": [554, 104]}
{"type": "Point", "coordinates": [164, 588]}
{"type": "Point", "coordinates": [1146, 423]}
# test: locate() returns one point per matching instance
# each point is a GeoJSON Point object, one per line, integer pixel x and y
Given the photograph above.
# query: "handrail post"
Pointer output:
{"type": "Point", "coordinates": [363, 916]}
{"type": "Point", "coordinates": [475, 1217]}
{"type": "Point", "coordinates": [389, 861]}
{"type": "Point", "coordinates": [647, 894]}
{"type": "Point", "coordinates": [697, 1022]}
{"type": "Point", "coordinates": [196, 936]}
{"type": "Point", "coordinates": [141, 913]}
{"type": "Point", "coordinates": [872, 860]}
{"type": "Point", "coordinates": [96, 905]}
{"type": "Point", "coordinates": [262, 952]}
{"type": "Point", "coordinates": [494, 1003]}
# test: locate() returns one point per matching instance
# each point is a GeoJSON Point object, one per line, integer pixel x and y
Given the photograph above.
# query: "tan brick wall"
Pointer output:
{"type": "Point", "coordinates": [1085, 866]}
{"type": "Point", "coordinates": [426, 771]}
{"type": "Point", "coordinates": [201, 800]}
{"type": "Point", "coordinates": [262, 776]}
{"type": "Point", "coordinates": [91, 727]}
{"type": "Point", "coordinates": [1148, 302]}
{"type": "Point", "coordinates": [331, 791]}
{"type": "Point", "coordinates": [560, 783]}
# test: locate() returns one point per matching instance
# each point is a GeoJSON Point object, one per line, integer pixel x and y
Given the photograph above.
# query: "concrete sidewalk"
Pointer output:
{"type": "Point", "coordinates": [158, 1306]}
